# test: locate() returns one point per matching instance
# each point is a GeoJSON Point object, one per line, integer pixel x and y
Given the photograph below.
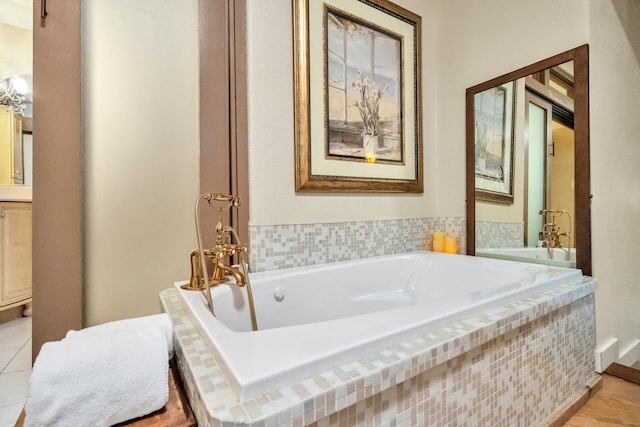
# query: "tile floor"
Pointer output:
{"type": "Point", "coordinates": [15, 368]}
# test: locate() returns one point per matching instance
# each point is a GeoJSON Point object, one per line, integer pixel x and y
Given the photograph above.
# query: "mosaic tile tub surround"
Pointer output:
{"type": "Point", "coordinates": [514, 364]}
{"type": "Point", "coordinates": [274, 247]}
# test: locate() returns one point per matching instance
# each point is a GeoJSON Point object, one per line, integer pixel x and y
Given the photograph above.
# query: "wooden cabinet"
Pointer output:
{"type": "Point", "coordinates": [11, 149]}
{"type": "Point", "coordinates": [15, 254]}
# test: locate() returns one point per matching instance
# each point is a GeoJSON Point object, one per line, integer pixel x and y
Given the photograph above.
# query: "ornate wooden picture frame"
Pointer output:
{"type": "Point", "coordinates": [357, 103]}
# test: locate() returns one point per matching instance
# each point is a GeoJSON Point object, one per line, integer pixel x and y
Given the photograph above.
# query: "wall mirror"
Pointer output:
{"type": "Point", "coordinates": [527, 164]}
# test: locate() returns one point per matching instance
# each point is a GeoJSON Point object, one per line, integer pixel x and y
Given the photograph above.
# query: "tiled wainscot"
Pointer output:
{"type": "Point", "coordinates": [281, 246]}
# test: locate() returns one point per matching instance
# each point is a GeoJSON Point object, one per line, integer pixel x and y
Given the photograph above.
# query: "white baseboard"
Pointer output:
{"type": "Point", "coordinates": [606, 354]}
{"type": "Point", "coordinates": [610, 352]}
{"type": "Point", "coordinates": [631, 354]}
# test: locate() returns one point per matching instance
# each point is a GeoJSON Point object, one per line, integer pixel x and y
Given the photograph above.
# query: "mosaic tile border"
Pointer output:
{"type": "Point", "coordinates": [275, 247]}
{"type": "Point", "coordinates": [421, 379]}
{"type": "Point", "coordinates": [491, 234]}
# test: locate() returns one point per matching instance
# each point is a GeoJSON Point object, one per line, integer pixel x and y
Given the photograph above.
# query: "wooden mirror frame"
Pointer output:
{"type": "Point", "coordinates": [582, 215]}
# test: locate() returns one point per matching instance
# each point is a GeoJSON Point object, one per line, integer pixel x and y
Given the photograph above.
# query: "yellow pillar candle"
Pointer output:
{"type": "Point", "coordinates": [438, 241]}
{"type": "Point", "coordinates": [450, 245]}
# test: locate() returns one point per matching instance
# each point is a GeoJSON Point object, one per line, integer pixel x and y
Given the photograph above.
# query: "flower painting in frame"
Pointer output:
{"type": "Point", "coordinates": [363, 96]}
{"type": "Point", "coordinates": [357, 97]}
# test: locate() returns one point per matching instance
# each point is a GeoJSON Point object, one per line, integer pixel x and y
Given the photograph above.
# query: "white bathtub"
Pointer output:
{"type": "Point", "coordinates": [333, 313]}
{"type": "Point", "coordinates": [560, 258]}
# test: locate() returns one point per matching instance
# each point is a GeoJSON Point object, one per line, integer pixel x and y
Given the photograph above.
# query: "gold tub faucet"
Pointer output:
{"type": "Point", "coordinates": [551, 234]}
{"type": "Point", "coordinates": [223, 249]}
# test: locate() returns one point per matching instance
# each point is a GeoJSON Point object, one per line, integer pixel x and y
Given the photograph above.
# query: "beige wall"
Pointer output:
{"type": "Point", "coordinates": [615, 175]}
{"type": "Point", "coordinates": [18, 58]}
{"type": "Point", "coordinates": [140, 124]}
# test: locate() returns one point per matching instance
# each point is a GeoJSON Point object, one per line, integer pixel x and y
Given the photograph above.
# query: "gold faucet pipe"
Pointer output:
{"type": "Point", "coordinates": [203, 262]}
{"type": "Point", "coordinates": [252, 309]}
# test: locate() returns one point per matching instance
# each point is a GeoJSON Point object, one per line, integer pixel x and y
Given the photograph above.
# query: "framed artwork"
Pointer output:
{"type": "Point", "coordinates": [357, 102]}
{"type": "Point", "coordinates": [493, 120]}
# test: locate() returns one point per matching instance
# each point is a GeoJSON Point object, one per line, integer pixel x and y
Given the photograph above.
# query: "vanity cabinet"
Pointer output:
{"type": "Point", "coordinates": [15, 254]}
{"type": "Point", "coordinates": [11, 149]}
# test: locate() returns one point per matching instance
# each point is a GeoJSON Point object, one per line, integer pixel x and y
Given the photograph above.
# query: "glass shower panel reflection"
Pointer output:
{"type": "Point", "coordinates": [536, 153]}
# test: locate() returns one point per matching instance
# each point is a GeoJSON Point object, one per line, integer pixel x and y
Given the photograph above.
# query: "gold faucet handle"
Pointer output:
{"type": "Point", "coordinates": [234, 201]}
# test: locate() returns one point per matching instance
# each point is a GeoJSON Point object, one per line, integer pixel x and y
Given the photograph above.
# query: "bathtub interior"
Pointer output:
{"type": "Point", "coordinates": [287, 347]}
{"type": "Point", "coordinates": [333, 291]}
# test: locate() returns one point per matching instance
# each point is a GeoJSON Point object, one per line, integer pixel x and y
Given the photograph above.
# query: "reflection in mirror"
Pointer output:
{"type": "Point", "coordinates": [16, 143]}
{"type": "Point", "coordinates": [16, 93]}
{"type": "Point", "coordinates": [527, 164]}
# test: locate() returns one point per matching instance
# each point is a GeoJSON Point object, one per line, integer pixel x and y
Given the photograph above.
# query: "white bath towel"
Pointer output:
{"type": "Point", "coordinates": [161, 320]}
{"type": "Point", "coordinates": [98, 379]}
